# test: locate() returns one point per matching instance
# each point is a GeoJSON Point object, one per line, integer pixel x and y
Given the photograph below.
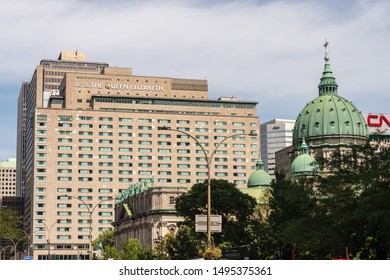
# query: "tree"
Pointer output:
{"type": "Point", "coordinates": [234, 206]}
{"type": "Point", "coordinates": [181, 246]}
{"type": "Point", "coordinates": [132, 249]}
{"type": "Point", "coordinates": [10, 222]}
{"type": "Point", "coordinates": [105, 242]}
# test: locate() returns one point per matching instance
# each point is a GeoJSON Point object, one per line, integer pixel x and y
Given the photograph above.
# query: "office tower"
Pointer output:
{"type": "Point", "coordinates": [88, 131]}
{"type": "Point", "coordinates": [275, 135]}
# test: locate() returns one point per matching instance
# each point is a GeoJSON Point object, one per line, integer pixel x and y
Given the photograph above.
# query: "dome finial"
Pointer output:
{"type": "Point", "coordinates": [326, 50]}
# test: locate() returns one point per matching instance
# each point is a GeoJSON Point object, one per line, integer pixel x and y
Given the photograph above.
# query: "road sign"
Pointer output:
{"type": "Point", "coordinates": [215, 223]}
{"type": "Point", "coordinates": [28, 258]}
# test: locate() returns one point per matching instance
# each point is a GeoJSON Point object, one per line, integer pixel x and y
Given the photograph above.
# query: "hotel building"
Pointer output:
{"type": "Point", "coordinates": [88, 131]}
{"type": "Point", "coordinates": [8, 177]}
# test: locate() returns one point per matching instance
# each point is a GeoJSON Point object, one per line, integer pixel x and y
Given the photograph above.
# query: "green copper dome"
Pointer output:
{"type": "Point", "coordinates": [329, 119]}
{"type": "Point", "coordinates": [259, 178]}
{"type": "Point", "coordinates": [304, 164]}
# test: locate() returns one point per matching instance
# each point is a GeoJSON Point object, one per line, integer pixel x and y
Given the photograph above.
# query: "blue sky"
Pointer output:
{"type": "Point", "coordinates": [265, 51]}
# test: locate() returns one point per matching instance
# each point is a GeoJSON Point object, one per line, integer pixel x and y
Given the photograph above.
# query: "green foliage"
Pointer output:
{"type": "Point", "coordinates": [349, 207]}
{"type": "Point", "coordinates": [183, 245]}
{"type": "Point", "coordinates": [10, 222]}
{"type": "Point", "coordinates": [235, 207]}
{"type": "Point", "coordinates": [132, 249]}
{"type": "Point", "coordinates": [106, 240]}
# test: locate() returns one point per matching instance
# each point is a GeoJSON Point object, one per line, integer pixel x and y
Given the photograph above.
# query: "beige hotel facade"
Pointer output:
{"type": "Point", "coordinates": [86, 131]}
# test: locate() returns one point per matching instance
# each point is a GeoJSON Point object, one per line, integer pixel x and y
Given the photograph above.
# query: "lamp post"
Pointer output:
{"type": "Point", "coordinates": [48, 236]}
{"type": "Point", "coordinates": [90, 211]}
{"type": "Point", "coordinates": [28, 240]}
{"type": "Point", "coordinates": [3, 249]}
{"type": "Point", "coordinates": [209, 160]}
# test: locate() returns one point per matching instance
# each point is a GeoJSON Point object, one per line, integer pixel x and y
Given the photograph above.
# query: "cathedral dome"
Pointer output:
{"type": "Point", "coordinates": [304, 164]}
{"type": "Point", "coordinates": [259, 178]}
{"type": "Point", "coordinates": [330, 119]}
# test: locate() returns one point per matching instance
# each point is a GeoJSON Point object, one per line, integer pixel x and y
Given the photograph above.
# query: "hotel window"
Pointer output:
{"type": "Point", "coordinates": [125, 142]}
{"type": "Point", "coordinates": [85, 171]}
{"type": "Point", "coordinates": [41, 117]}
{"type": "Point", "coordinates": [202, 137]}
{"type": "Point", "coordinates": [202, 122]}
{"type": "Point", "coordinates": [253, 124]}
{"type": "Point", "coordinates": [144, 172]}
{"type": "Point", "coordinates": [105, 171]}
{"type": "Point", "coordinates": [105, 133]}
{"type": "Point", "coordinates": [182, 165]}
{"type": "Point", "coordinates": [67, 148]}
{"type": "Point", "coordinates": [220, 166]}
{"type": "Point", "coordinates": [85, 141]}
{"type": "Point", "coordinates": [184, 181]}
{"type": "Point", "coordinates": [183, 173]}
{"type": "Point", "coordinates": [85, 190]}
{"type": "Point", "coordinates": [106, 156]}
{"type": "Point", "coordinates": [220, 130]}
{"type": "Point", "coordinates": [200, 159]}
{"type": "Point", "coordinates": [164, 165]}
{"type": "Point", "coordinates": [105, 126]}
{"type": "Point", "coordinates": [85, 156]}
{"type": "Point", "coordinates": [125, 127]}
{"type": "Point", "coordinates": [144, 120]}
{"type": "Point", "coordinates": [105, 164]}
{"type": "Point", "coordinates": [85, 148]}
{"type": "Point", "coordinates": [143, 127]}
{"type": "Point", "coordinates": [63, 190]}
{"type": "Point", "coordinates": [221, 174]}
{"type": "Point", "coordinates": [182, 121]}
{"type": "Point", "coordinates": [86, 118]}
{"type": "Point", "coordinates": [85, 125]}
{"type": "Point", "coordinates": [201, 174]}
{"type": "Point", "coordinates": [65, 125]}
{"type": "Point", "coordinates": [64, 178]}
{"type": "Point", "coordinates": [144, 150]}
{"type": "Point", "coordinates": [164, 136]}
{"type": "Point", "coordinates": [125, 164]}
{"type": "Point", "coordinates": [165, 173]}
{"type": "Point", "coordinates": [125, 157]}
{"type": "Point", "coordinates": [239, 182]}
{"type": "Point", "coordinates": [65, 155]}
{"type": "Point", "coordinates": [125, 180]}
{"type": "Point", "coordinates": [239, 153]}
{"type": "Point", "coordinates": [41, 124]}
{"type": "Point", "coordinates": [145, 135]}
{"type": "Point", "coordinates": [164, 180]}
{"type": "Point", "coordinates": [164, 121]}
{"type": "Point", "coordinates": [183, 158]}
{"type": "Point", "coordinates": [125, 134]}
{"type": "Point", "coordinates": [105, 190]}
{"type": "Point", "coordinates": [65, 118]}
{"type": "Point", "coordinates": [125, 172]}
{"type": "Point", "coordinates": [43, 139]}
{"type": "Point", "coordinates": [145, 157]}
{"type": "Point", "coordinates": [40, 197]}
{"type": "Point", "coordinates": [239, 174]}
{"type": "Point", "coordinates": [41, 147]}
{"type": "Point", "coordinates": [238, 124]}
{"type": "Point", "coordinates": [201, 129]}
{"type": "Point", "coordinates": [145, 165]}
{"type": "Point", "coordinates": [64, 170]}
{"type": "Point", "coordinates": [85, 179]}
{"type": "Point", "coordinates": [85, 163]}
{"type": "Point", "coordinates": [145, 143]}
{"type": "Point", "coordinates": [200, 166]}
{"type": "Point", "coordinates": [220, 123]}
{"type": "Point", "coordinates": [164, 151]}
{"type": "Point", "coordinates": [41, 132]}
{"type": "Point", "coordinates": [238, 145]}
{"type": "Point", "coordinates": [105, 149]}
{"type": "Point", "coordinates": [172, 200]}
{"type": "Point", "coordinates": [64, 140]}
{"type": "Point", "coordinates": [238, 130]}
{"type": "Point", "coordinates": [105, 179]}
{"type": "Point", "coordinates": [105, 119]}
{"type": "Point", "coordinates": [125, 120]}
{"type": "Point", "coordinates": [105, 141]}
{"type": "Point", "coordinates": [86, 133]}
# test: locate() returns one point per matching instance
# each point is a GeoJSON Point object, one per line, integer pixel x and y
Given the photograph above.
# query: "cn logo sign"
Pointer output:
{"type": "Point", "coordinates": [377, 120]}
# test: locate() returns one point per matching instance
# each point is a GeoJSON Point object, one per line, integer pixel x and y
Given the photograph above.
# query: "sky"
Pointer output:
{"type": "Point", "coordinates": [266, 51]}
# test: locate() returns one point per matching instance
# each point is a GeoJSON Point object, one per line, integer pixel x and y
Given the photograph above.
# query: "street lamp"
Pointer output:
{"type": "Point", "coordinates": [208, 163]}
{"type": "Point", "coordinates": [90, 211]}
{"type": "Point", "coordinates": [28, 240]}
{"type": "Point", "coordinates": [3, 249]}
{"type": "Point", "coordinates": [48, 236]}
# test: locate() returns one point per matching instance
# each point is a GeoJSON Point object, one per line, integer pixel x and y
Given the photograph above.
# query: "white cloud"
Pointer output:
{"type": "Point", "coordinates": [267, 51]}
